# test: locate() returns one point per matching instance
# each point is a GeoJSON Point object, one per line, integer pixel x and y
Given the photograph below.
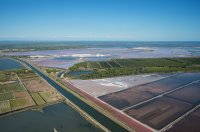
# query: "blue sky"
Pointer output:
{"type": "Point", "coordinates": [137, 20]}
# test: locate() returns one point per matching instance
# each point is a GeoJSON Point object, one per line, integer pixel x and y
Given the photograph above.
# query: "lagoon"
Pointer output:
{"type": "Point", "coordinates": [59, 116]}
{"type": "Point", "coordinates": [9, 64]}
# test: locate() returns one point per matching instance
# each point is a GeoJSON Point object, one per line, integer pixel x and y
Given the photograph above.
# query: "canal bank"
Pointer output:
{"type": "Point", "coordinates": [47, 116]}
{"type": "Point", "coordinates": [102, 119]}
{"type": "Point", "coordinates": [87, 116]}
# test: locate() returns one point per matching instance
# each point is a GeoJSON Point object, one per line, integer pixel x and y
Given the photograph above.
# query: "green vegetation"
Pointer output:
{"type": "Point", "coordinates": [21, 72]}
{"type": "Point", "coordinates": [120, 67]}
{"type": "Point", "coordinates": [28, 76]}
{"type": "Point", "coordinates": [46, 96]}
{"type": "Point", "coordinates": [6, 96]}
{"type": "Point", "coordinates": [13, 95]}
{"type": "Point", "coordinates": [18, 103]}
{"type": "Point", "coordinates": [91, 65]}
{"type": "Point", "coordinates": [78, 66]}
{"type": "Point", "coordinates": [37, 98]}
{"type": "Point", "coordinates": [7, 76]}
{"type": "Point", "coordinates": [5, 106]}
{"type": "Point", "coordinates": [3, 77]}
{"type": "Point", "coordinates": [16, 86]}
{"type": "Point", "coordinates": [51, 70]}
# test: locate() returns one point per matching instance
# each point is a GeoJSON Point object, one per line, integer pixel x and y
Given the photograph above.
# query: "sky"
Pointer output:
{"type": "Point", "coordinates": [115, 20]}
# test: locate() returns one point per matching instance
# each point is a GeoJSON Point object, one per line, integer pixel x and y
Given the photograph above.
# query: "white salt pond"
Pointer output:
{"type": "Point", "coordinates": [99, 87]}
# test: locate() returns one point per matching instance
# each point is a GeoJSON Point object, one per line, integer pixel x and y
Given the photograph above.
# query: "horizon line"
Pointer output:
{"type": "Point", "coordinates": [100, 40]}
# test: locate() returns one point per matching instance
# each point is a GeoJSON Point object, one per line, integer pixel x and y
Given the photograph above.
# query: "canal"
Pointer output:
{"type": "Point", "coordinates": [108, 123]}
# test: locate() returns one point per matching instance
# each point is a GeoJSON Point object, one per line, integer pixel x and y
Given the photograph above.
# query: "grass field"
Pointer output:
{"type": "Point", "coordinates": [13, 95]}
{"type": "Point", "coordinates": [46, 96]}
{"type": "Point", "coordinates": [93, 65]}
{"type": "Point", "coordinates": [119, 67]}
{"type": "Point", "coordinates": [151, 62]}
{"type": "Point", "coordinates": [16, 86]}
{"type": "Point", "coordinates": [7, 76]}
{"type": "Point", "coordinates": [37, 98]}
{"type": "Point", "coordinates": [6, 96]}
{"type": "Point", "coordinates": [104, 64]}
{"type": "Point", "coordinates": [3, 77]}
{"type": "Point", "coordinates": [20, 103]}
{"type": "Point", "coordinates": [114, 64]}
{"type": "Point", "coordinates": [29, 76]}
{"type": "Point", "coordinates": [21, 94]}
{"type": "Point", "coordinates": [5, 106]}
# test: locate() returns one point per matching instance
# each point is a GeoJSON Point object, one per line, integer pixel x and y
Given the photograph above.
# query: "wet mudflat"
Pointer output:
{"type": "Point", "coordinates": [188, 77]}
{"type": "Point", "coordinates": [159, 112]}
{"type": "Point", "coordinates": [126, 98]}
{"type": "Point", "coordinates": [163, 110]}
{"type": "Point", "coordinates": [165, 85]}
{"type": "Point", "coordinates": [188, 124]}
{"type": "Point", "coordinates": [162, 86]}
{"type": "Point", "coordinates": [59, 116]}
{"type": "Point", "coordinates": [188, 94]}
{"type": "Point", "coordinates": [137, 94]}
